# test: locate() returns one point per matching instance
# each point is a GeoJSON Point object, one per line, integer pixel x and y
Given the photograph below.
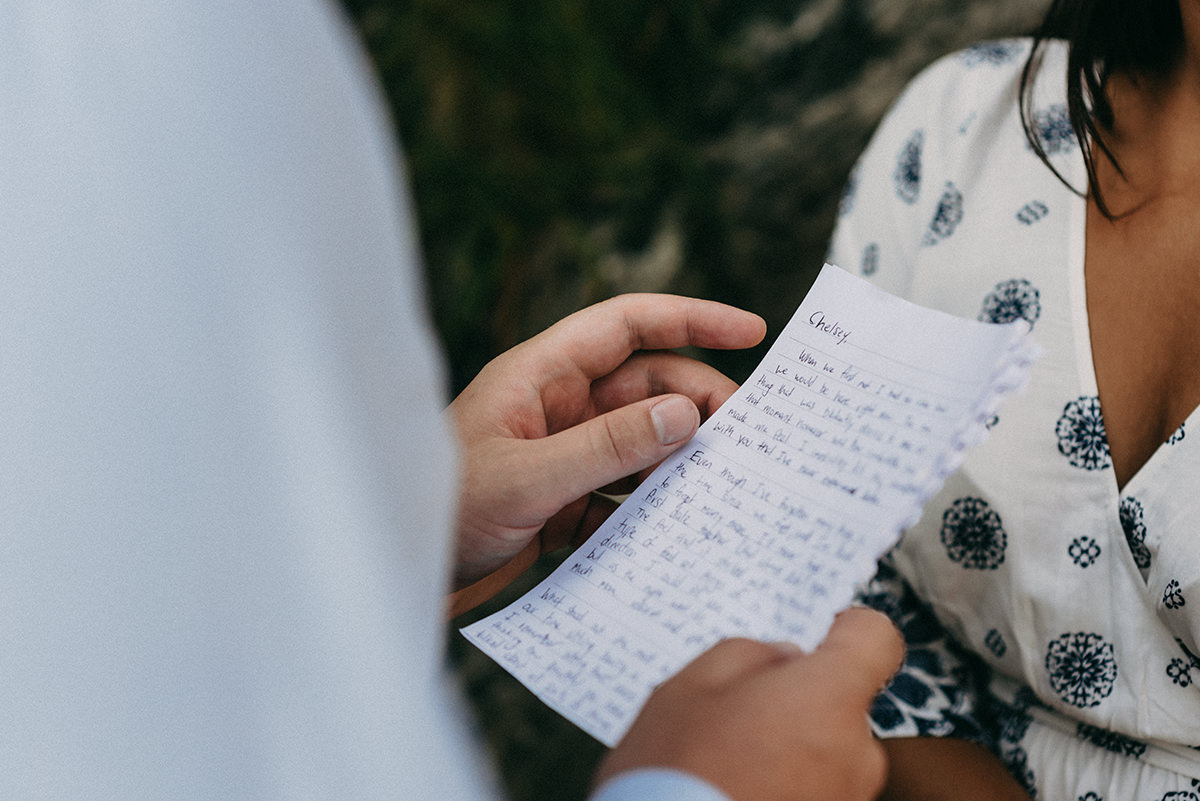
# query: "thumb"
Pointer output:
{"type": "Point", "coordinates": [864, 647]}
{"type": "Point", "coordinates": [614, 445]}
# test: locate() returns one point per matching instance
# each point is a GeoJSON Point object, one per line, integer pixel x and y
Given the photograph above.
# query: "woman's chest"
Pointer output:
{"type": "Point", "coordinates": [1142, 276]}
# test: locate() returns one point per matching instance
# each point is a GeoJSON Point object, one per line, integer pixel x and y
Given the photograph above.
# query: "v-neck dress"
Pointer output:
{"type": "Point", "coordinates": [1048, 614]}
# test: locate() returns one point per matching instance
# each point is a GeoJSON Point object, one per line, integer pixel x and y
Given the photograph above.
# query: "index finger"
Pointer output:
{"type": "Point", "coordinates": [597, 339]}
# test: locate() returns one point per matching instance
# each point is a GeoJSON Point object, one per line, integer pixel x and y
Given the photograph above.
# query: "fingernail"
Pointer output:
{"type": "Point", "coordinates": [674, 419]}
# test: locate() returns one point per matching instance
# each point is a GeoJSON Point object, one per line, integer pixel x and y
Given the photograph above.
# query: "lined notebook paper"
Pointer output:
{"type": "Point", "coordinates": [765, 522]}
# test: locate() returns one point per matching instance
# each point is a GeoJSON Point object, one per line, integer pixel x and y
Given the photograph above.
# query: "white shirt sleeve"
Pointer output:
{"type": "Point", "coordinates": [226, 487]}
{"type": "Point", "coordinates": [225, 484]}
{"type": "Point", "coordinates": [659, 785]}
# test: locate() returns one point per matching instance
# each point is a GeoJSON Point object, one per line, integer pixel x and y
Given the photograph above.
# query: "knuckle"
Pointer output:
{"type": "Point", "coordinates": [619, 444]}
{"type": "Point", "coordinates": [610, 442]}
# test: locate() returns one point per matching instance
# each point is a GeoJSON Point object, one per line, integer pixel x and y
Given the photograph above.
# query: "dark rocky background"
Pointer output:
{"type": "Point", "coordinates": [562, 151]}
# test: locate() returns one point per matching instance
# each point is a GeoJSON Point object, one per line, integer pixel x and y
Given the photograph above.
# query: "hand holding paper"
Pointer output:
{"type": "Point", "coordinates": [768, 723]}
{"type": "Point", "coordinates": [765, 521]}
{"type": "Point", "coordinates": [578, 406]}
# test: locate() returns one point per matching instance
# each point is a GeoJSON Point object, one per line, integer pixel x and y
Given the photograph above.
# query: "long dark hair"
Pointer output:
{"type": "Point", "coordinates": [1104, 37]}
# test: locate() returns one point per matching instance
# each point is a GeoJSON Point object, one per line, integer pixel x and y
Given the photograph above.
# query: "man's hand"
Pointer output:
{"type": "Point", "coordinates": [591, 400]}
{"type": "Point", "coordinates": [767, 723]}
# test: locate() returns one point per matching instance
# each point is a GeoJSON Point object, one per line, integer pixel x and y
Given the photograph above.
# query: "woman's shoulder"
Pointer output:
{"type": "Point", "coordinates": [985, 74]}
{"type": "Point", "coordinates": [967, 103]}
{"type": "Point", "coordinates": [954, 135]}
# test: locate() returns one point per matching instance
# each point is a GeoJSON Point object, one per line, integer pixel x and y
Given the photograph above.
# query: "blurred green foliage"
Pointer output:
{"type": "Point", "coordinates": [529, 124]}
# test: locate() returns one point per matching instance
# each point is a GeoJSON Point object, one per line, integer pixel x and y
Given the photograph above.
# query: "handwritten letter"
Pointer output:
{"type": "Point", "coordinates": [763, 524]}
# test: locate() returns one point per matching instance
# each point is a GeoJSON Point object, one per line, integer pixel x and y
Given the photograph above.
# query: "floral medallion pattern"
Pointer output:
{"type": "Point", "coordinates": [1173, 595]}
{"type": "Point", "coordinates": [1052, 127]}
{"type": "Point", "coordinates": [907, 177]}
{"type": "Point", "coordinates": [1132, 523]}
{"type": "Point", "coordinates": [1111, 741]}
{"type": "Point", "coordinates": [995, 52]}
{"type": "Point", "coordinates": [973, 534]}
{"type": "Point", "coordinates": [1084, 551]}
{"type": "Point", "coordinates": [1081, 435]}
{"type": "Point", "coordinates": [947, 217]}
{"type": "Point", "coordinates": [1016, 299]}
{"type": "Point", "coordinates": [870, 259]}
{"type": "Point", "coordinates": [1082, 668]}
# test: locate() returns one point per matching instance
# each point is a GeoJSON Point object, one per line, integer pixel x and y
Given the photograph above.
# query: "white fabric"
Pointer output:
{"type": "Point", "coordinates": [658, 784]}
{"type": "Point", "coordinates": [225, 485]}
{"type": "Point", "coordinates": [1030, 556]}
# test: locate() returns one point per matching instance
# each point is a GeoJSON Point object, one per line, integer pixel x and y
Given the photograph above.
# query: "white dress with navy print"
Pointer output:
{"type": "Point", "coordinates": [1048, 614]}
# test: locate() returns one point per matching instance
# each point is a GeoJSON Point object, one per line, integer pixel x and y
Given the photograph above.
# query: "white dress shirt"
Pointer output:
{"type": "Point", "coordinates": [226, 490]}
